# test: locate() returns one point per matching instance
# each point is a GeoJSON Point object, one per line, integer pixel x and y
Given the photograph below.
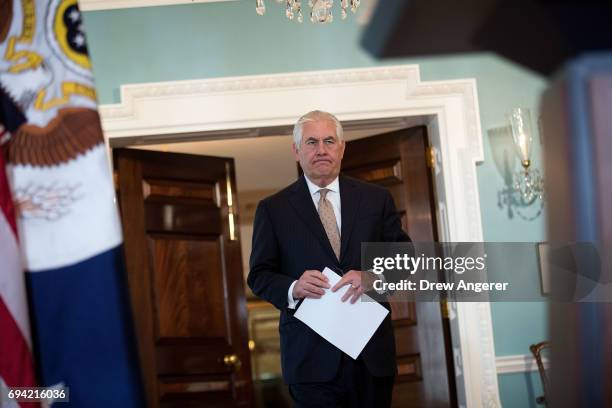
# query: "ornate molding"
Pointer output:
{"type": "Point", "coordinates": [132, 94]}
{"type": "Point", "coordinates": [466, 90]}
{"type": "Point", "coordinates": [456, 134]}
{"type": "Point", "coordinates": [90, 5]}
{"type": "Point", "coordinates": [449, 109]}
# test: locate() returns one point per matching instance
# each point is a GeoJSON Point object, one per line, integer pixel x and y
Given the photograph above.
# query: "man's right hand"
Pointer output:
{"type": "Point", "coordinates": [310, 285]}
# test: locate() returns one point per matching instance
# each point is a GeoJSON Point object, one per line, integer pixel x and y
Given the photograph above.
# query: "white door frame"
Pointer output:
{"type": "Point", "coordinates": [448, 108]}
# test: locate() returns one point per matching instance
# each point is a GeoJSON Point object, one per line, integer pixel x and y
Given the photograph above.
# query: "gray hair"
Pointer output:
{"type": "Point", "coordinates": [314, 116]}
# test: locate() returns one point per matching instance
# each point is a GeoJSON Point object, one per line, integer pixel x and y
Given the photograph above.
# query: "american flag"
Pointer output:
{"type": "Point", "coordinates": [59, 221]}
{"type": "Point", "coordinates": [16, 363]}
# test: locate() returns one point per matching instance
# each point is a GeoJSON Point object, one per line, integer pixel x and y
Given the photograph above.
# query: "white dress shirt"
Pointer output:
{"type": "Point", "coordinates": [333, 196]}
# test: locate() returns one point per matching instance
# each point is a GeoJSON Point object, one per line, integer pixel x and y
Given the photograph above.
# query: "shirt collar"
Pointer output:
{"type": "Point", "coordinates": [313, 188]}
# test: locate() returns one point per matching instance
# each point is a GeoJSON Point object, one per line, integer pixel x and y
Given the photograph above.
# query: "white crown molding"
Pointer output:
{"type": "Point", "coordinates": [90, 5]}
{"type": "Point", "coordinates": [519, 363]}
{"type": "Point", "coordinates": [448, 108]}
{"type": "Point", "coordinates": [135, 95]}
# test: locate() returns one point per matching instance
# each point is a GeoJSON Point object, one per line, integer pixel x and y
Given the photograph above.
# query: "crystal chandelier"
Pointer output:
{"type": "Point", "coordinates": [527, 180]}
{"type": "Point", "coordinates": [320, 10]}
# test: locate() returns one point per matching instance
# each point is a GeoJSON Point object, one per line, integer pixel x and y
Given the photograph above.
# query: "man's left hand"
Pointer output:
{"type": "Point", "coordinates": [353, 278]}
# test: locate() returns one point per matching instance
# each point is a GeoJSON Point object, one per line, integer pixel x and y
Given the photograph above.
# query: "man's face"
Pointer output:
{"type": "Point", "coordinates": [320, 152]}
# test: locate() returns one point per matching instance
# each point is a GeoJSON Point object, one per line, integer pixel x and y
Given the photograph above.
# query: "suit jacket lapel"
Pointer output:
{"type": "Point", "coordinates": [306, 211]}
{"type": "Point", "coordinates": [350, 198]}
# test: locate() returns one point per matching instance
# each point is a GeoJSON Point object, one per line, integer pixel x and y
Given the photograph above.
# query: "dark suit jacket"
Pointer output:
{"type": "Point", "coordinates": [288, 238]}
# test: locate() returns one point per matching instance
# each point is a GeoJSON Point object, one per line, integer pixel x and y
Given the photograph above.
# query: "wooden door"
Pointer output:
{"type": "Point", "coordinates": [185, 276]}
{"type": "Point", "coordinates": [399, 161]}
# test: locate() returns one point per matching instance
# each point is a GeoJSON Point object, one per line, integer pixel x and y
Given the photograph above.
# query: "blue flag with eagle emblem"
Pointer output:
{"type": "Point", "coordinates": [67, 219]}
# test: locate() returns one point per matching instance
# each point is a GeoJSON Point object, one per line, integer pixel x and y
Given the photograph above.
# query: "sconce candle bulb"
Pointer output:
{"type": "Point", "coordinates": [527, 182]}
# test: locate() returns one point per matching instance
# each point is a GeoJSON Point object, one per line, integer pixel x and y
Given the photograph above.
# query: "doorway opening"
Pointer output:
{"type": "Point", "coordinates": [240, 106]}
{"type": "Point", "coordinates": [263, 166]}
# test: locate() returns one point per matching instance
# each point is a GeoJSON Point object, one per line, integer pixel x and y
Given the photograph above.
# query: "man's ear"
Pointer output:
{"type": "Point", "coordinates": [295, 152]}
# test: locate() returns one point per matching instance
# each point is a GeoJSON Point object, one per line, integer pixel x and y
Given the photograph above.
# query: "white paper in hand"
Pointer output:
{"type": "Point", "coordinates": [347, 326]}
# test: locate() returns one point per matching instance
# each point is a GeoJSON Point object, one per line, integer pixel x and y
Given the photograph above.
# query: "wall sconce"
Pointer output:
{"type": "Point", "coordinates": [523, 189]}
{"type": "Point", "coordinates": [527, 181]}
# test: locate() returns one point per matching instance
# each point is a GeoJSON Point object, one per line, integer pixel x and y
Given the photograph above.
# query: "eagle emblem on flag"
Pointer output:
{"type": "Point", "coordinates": [48, 75]}
{"type": "Point", "coordinates": [58, 147]}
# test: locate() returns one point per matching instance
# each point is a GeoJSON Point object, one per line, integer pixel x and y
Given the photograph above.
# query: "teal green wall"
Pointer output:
{"type": "Point", "coordinates": [229, 39]}
{"type": "Point", "coordinates": [520, 390]}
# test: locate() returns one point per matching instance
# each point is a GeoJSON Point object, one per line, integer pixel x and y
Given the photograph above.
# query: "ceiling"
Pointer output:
{"type": "Point", "coordinates": [92, 5]}
{"type": "Point", "coordinates": [88, 5]}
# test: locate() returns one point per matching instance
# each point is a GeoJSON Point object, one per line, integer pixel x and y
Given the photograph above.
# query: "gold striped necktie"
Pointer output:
{"type": "Point", "coordinates": [328, 219]}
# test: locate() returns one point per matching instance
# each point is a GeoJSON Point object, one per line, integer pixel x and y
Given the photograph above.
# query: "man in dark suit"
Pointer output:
{"type": "Point", "coordinates": [320, 221]}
